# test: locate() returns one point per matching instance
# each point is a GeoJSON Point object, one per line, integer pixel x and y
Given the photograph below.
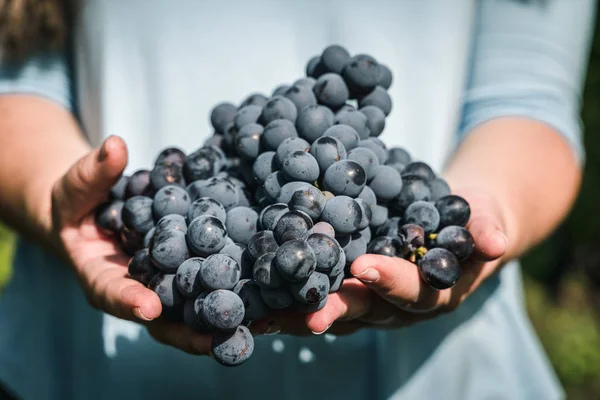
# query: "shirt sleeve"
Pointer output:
{"type": "Point", "coordinates": [529, 59]}
{"type": "Point", "coordinates": [47, 75]}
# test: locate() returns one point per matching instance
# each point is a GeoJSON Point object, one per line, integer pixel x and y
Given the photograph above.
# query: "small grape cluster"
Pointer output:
{"type": "Point", "coordinates": [272, 210]}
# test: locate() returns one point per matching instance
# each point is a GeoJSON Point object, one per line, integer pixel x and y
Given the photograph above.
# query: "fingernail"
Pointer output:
{"type": "Point", "coordinates": [505, 239]}
{"type": "Point", "coordinates": [138, 313]}
{"type": "Point", "coordinates": [369, 275]}
{"type": "Point", "coordinates": [103, 153]}
{"type": "Point", "coordinates": [323, 331]}
{"type": "Point", "coordinates": [273, 329]}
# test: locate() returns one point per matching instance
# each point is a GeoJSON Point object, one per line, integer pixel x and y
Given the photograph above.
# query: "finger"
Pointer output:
{"type": "Point", "coordinates": [109, 288]}
{"type": "Point", "coordinates": [490, 241]}
{"type": "Point", "coordinates": [181, 337]}
{"type": "Point", "coordinates": [398, 282]}
{"type": "Point", "coordinates": [88, 181]}
{"type": "Point", "coordinates": [352, 301]}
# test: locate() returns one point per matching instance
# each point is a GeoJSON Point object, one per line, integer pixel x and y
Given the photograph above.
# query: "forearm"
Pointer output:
{"type": "Point", "coordinates": [39, 141]}
{"type": "Point", "coordinates": [529, 169]}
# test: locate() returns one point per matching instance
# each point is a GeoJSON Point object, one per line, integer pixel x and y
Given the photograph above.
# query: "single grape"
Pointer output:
{"type": "Point", "coordinates": [117, 191]}
{"type": "Point", "coordinates": [236, 251]}
{"type": "Point", "coordinates": [414, 188]}
{"type": "Point", "coordinates": [266, 273]}
{"type": "Point", "coordinates": [301, 96]}
{"type": "Point", "coordinates": [261, 243]}
{"type": "Point", "coordinates": [273, 184]}
{"type": "Point", "coordinates": [391, 227]}
{"type": "Point", "coordinates": [206, 235]}
{"type": "Point", "coordinates": [164, 286]}
{"type": "Point", "coordinates": [278, 107]}
{"type": "Point", "coordinates": [222, 115]}
{"type": "Point", "coordinates": [398, 155]}
{"type": "Point", "coordinates": [439, 188]}
{"type": "Point", "coordinates": [186, 277]}
{"type": "Point", "coordinates": [277, 131]}
{"type": "Point", "coordinates": [140, 267]}
{"type": "Point", "coordinates": [335, 283]}
{"type": "Point", "coordinates": [379, 216]}
{"type": "Point", "coordinates": [457, 240]}
{"type": "Point", "coordinates": [314, 68]}
{"type": "Point", "coordinates": [373, 144]}
{"type": "Point", "coordinates": [331, 90]}
{"type": "Point", "coordinates": [439, 268]}
{"type": "Point", "coordinates": [307, 82]}
{"type": "Point", "coordinates": [232, 349]}
{"type": "Point", "coordinates": [219, 271]}
{"type": "Point", "coordinates": [137, 214]}
{"type": "Point", "coordinates": [167, 173]}
{"type": "Point", "coordinates": [327, 150]}
{"type": "Point", "coordinates": [201, 164]}
{"type": "Point", "coordinates": [324, 228]}
{"type": "Point", "coordinates": [288, 190]}
{"type": "Point", "coordinates": [343, 213]}
{"type": "Point", "coordinates": [268, 217]}
{"type": "Point", "coordinates": [413, 235]}
{"type": "Point", "coordinates": [375, 120]}
{"type": "Point", "coordinates": [309, 200]}
{"type": "Point", "coordinates": [313, 121]}
{"type": "Point", "coordinates": [168, 250]}
{"type": "Point", "coordinates": [454, 210]}
{"type": "Point", "coordinates": [295, 260]}
{"type": "Point", "coordinates": [386, 183]}
{"type": "Point", "coordinates": [326, 249]}
{"type": "Point", "coordinates": [223, 310]}
{"type": "Point", "coordinates": [170, 200]}
{"type": "Point", "coordinates": [420, 169]}
{"type": "Point", "coordinates": [361, 74]}
{"type": "Point", "coordinates": [149, 236]}
{"type": "Point", "coordinates": [385, 77]}
{"type": "Point", "coordinates": [171, 221]}
{"type": "Point", "coordinates": [280, 90]}
{"type": "Point", "coordinates": [345, 134]}
{"type": "Point", "coordinates": [300, 166]}
{"type": "Point", "coordinates": [293, 225]}
{"type": "Point", "coordinates": [289, 146]}
{"type": "Point", "coordinates": [108, 216]}
{"type": "Point", "coordinates": [247, 141]}
{"type": "Point", "coordinates": [345, 177]}
{"type": "Point", "coordinates": [356, 248]}
{"type": "Point", "coordinates": [356, 120]}
{"type": "Point", "coordinates": [138, 184]}
{"type": "Point", "coordinates": [312, 290]}
{"type": "Point", "coordinates": [366, 212]}
{"type": "Point", "coordinates": [424, 214]}
{"type": "Point", "coordinates": [206, 206]}
{"type": "Point", "coordinates": [386, 246]}
{"type": "Point", "coordinates": [222, 190]}
{"type": "Point", "coordinates": [241, 224]}
{"type": "Point", "coordinates": [334, 57]}
{"type": "Point", "coordinates": [247, 115]}
{"type": "Point", "coordinates": [379, 98]}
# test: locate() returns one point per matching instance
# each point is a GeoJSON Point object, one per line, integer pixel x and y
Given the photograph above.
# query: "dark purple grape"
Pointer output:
{"type": "Point", "coordinates": [334, 57]}
{"type": "Point", "coordinates": [327, 150]}
{"type": "Point", "coordinates": [223, 310]}
{"type": "Point", "coordinates": [313, 121]}
{"type": "Point", "coordinates": [241, 224]}
{"type": "Point", "coordinates": [295, 260]}
{"type": "Point", "coordinates": [206, 206]}
{"type": "Point", "coordinates": [300, 166]}
{"type": "Point", "coordinates": [439, 268]}
{"type": "Point", "coordinates": [170, 155]}
{"type": "Point", "coordinates": [137, 214]}
{"type": "Point", "coordinates": [335, 283]}
{"type": "Point", "coordinates": [301, 96]}
{"type": "Point", "coordinates": [171, 221]}
{"type": "Point", "coordinates": [439, 188]}
{"type": "Point", "coordinates": [222, 115]}
{"type": "Point", "coordinates": [345, 178]}
{"type": "Point", "coordinates": [379, 98]}
{"type": "Point", "coordinates": [311, 291]}
{"type": "Point", "coordinates": [247, 141]}
{"type": "Point", "coordinates": [138, 184]}
{"type": "Point", "coordinates": [398, 155]}
{"type": "Point", "coordinates": [266, 273]}
{"type": "Point", "coordinates": [270, 215]}
{"type": "Point", "coordinates": [117, 191]}
{"type": "Point", "coordinates": [457, 240]}
{"type": "Point", "coordinates": [186, 278]}
{"type": "Point", "coordinates": [168, 250]}
{"type": "Point", "coordinates": [356, 120]}
{"type": "Point", "coordinates": [170, 200]}
{"type": "Point", "coordinates": [414, 188]}
{"type": "Point", "coordinates": [385, 77]}
{"type": "Point", "coordinates": [276, 132]}
{"type": "Point", "coordinates": [361, 74]}
{"type": "Point", "coordinates": [375, 120]}
{"type": "Point", "coordinates": [141, 268]}
{"type": "Point", "coordinates": [164, 286]}
{"type": "Point", "coordinates": [261, 243]}
{"type": "Point", "coordinates": [206, 235]}
{"type": "Point", "coordinates": [413, 235]}
{"type": "Point", "coordinates": [343, 213]}
{"type": "Point", "coordinates": [419, 169]}
{"type": "Point", "coordinates": [232, 349]}
{"type": "Point", "coordinates": [278, 107]}
{"type": "Point", "coordinates": [108, 216]}
{"type": "Point", "coordinates": [331, 90]}
{"type": "Point", "coordinates": [277, 299]}
{"type": "Point", "coordinates": [424, 214]}
{"type": "Point", "coordinates": [366, 158]}
{"type": "Point", "coordinates": [345, 134]}
{"type": "Point", "coordinates": [219, 271]}
{"type": "Point", "coordinates": [255, 99]}
{"type": "Point", "coordinates": [247, 115]}
{"type": "Point", "coordinates": [386, 246]}
{"type": "Point", "coordinates": [254, 306]}
{"type": "Point", "coordinates": [309, 200]}
{"type": "Point", "coordinates": [327, 251]}
{"type": "Point", "coordinates": [293, 225]}
{"type": "Point", "coordinates": [454, 210]}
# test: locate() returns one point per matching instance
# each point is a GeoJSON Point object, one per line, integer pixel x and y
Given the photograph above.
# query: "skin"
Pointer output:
{"type": "Point", "coordinates": [503, 168]}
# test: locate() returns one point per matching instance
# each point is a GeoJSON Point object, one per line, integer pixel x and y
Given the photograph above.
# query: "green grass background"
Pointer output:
{"type": "Point", "coordinates": [562, 275]}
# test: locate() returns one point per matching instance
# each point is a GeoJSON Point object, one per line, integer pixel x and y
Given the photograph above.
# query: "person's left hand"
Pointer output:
{"type": "Point", "coordinates": [389, 292]}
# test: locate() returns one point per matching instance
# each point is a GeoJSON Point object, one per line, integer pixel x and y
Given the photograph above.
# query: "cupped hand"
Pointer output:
{"type": "Point", "coordinates": [388, 292]}
{"type": "Point", "coordinates": [99, 263]}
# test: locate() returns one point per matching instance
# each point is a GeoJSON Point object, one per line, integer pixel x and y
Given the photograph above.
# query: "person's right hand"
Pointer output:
{"type": "Point", "coordinates": [96, 258]}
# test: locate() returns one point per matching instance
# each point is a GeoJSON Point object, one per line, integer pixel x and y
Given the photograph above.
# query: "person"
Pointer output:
{"type": "Point", "coordinates": [487, 91]}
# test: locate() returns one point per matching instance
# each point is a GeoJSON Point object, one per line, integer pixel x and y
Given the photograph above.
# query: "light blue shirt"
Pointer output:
{"type": "Point", "coordinates": [151, 70]}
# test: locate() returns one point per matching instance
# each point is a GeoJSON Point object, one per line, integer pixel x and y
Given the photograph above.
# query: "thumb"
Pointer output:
{"type": "Point", "coordinates": [489, 237]}
{"type": "Point", "coordinates": [87, 182]}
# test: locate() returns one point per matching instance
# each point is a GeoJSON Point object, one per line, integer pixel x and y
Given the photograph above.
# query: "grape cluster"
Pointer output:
{"type": "Point", "coordinates": [271, 211]}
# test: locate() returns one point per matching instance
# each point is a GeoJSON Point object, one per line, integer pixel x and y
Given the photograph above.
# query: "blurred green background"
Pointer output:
{"type": "Point", "coordinates": [562, 275]}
